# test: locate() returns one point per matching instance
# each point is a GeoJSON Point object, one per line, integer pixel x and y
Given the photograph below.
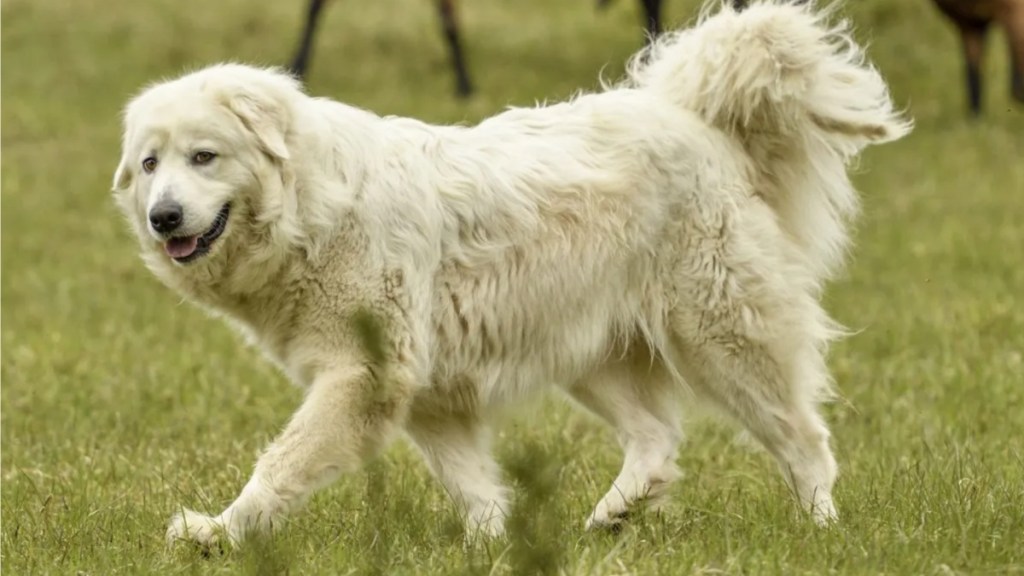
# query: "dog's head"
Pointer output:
{"type": "Point", "coordinates": [203, 165]}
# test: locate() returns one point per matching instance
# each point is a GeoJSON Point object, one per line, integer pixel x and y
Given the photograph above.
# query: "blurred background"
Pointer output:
{"type": "Point", "coordinates": [120, 402]}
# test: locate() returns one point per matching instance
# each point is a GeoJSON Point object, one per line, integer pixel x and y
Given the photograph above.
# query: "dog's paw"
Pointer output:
{"type": "Point", "coordinates": [485, 526]}
{"type": "Point", "coordinates": [823, 512]}
{"type": "Point", "coordinates": [609, 514]}
{"type": "Point", "coordinates": [208, 533]}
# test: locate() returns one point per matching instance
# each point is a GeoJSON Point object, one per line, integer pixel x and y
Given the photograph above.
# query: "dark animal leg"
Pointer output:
{"type": "Point", "coordinates": [973, 35]}
{"type": "Point", "coordinates": [652, 17]}
{"type": "Point", "coordinates": [1017, 77]}
{"type": "Point", "coordinates": [300, 63]}
{"type": "Point", "coordinates": [463, 87]}
{"type": "Point", "coordinates": [1014, 24]}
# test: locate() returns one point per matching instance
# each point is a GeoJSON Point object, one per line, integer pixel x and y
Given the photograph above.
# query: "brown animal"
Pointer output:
{"type": "Point", "coordinates": [973, 18]}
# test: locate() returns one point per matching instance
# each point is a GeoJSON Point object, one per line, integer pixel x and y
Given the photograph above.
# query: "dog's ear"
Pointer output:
{"type": "Point", "coordinates": [264, 120]}
{"type": "Point", "coordinates": [262, 106]}
{"type": "Point", "coordinates": [122, 175]}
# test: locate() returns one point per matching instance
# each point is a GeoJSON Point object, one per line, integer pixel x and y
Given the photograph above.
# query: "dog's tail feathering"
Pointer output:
{"type": "Point", "coordinates": [797, 92]}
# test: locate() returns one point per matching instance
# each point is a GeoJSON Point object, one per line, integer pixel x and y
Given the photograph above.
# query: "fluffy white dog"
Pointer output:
{"type": "Point", "coordinates": [665, 237]}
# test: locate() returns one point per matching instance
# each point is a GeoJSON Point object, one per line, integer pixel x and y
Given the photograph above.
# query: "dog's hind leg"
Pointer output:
{"type": "Point", "coordinates": [743, 378]}
{"type": "Point", "coordinates": [456, 447]}
{"type": "Point", "coordinates": [760, 358]}
{"type": "Point", "coordinates": [638, 398]}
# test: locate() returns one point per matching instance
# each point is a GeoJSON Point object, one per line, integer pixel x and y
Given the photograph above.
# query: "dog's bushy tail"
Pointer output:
{"type": "Point", "coordinates": [798, 94]}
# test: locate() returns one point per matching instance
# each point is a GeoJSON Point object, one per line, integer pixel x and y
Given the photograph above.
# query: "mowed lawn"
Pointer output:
{"type": "Point", "coordinates": [121, 403]}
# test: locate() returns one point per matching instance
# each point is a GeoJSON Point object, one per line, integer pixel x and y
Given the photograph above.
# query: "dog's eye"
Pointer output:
{"type": "Point", "coordinates": [203, 157]}
{"type": "Point", "coordinates": [149, 164]}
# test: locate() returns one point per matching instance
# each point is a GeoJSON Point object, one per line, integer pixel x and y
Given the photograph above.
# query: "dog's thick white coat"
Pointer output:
{"type": "Point", "coordinates": [665, 236]}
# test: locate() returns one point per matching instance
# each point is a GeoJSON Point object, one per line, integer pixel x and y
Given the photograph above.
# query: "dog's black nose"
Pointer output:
{"type": "Point", "coordinates": [166, 216]}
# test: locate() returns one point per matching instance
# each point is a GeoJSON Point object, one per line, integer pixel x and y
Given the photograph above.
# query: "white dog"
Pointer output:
{"type": "Point", "coordinates": [664, 237]}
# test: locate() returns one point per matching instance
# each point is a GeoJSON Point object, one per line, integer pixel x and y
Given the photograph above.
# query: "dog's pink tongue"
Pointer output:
{"type": "Point", "coordinates": [181, 247]}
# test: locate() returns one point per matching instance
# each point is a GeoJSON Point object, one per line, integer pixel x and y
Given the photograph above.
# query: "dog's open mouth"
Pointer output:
{"type": "Point", "coordinates": [188, 248]}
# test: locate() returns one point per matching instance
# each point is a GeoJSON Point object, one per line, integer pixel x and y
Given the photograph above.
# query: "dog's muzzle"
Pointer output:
{"type": "Point", "coordinates": [184, 249]}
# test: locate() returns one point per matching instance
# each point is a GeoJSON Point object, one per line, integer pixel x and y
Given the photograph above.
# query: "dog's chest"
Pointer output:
{"type": "Point", "coordinates": [268, 324]}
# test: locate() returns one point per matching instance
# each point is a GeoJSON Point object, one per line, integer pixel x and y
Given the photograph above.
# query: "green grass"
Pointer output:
{"type": "Point", "coordinates": [120, 403]}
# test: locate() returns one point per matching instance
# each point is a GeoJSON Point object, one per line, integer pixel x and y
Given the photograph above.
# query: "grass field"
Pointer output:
{"type": "Point", "coordinates": [120, 403]}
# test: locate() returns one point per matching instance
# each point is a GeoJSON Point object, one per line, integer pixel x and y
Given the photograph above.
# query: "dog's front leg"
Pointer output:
{"type": "Point", "coordinates": [348, 415]}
